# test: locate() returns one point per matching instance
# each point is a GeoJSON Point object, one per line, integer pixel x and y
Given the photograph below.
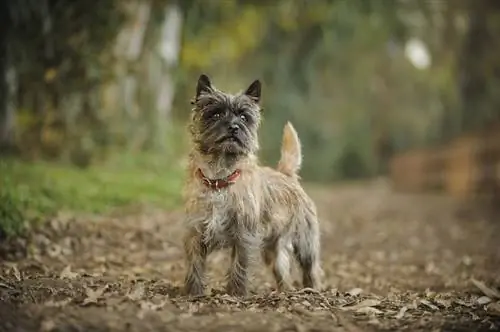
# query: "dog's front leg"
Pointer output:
{"type": "Point", "coordinates": [238, 272]}
{"type": "Point", "coordinates": [245, 245]}
{"type": "Point", "coordinates": [196, 255]}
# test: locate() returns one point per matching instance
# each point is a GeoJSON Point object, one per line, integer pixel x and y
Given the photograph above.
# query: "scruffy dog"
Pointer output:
{"type": "Point", "coordinates": [233, 202]}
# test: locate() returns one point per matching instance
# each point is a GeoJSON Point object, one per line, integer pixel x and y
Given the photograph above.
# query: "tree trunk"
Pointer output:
{"type": "Point", "coordinates": [169, 44]}
{"type": "Point", "coordinates": [480, 65]}
{"type": "Point", "coordinates": [7, 83]}
{"type": "Point", "coordinates": [479, 82]}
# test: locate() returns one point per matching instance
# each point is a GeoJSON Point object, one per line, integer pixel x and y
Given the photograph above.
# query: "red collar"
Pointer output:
{"type": "Point", "coordinates": [219, 183]}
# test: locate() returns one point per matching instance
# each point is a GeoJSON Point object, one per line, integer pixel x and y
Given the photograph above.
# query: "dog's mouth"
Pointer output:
{"type": "Point", "coordinates": [229, 139]}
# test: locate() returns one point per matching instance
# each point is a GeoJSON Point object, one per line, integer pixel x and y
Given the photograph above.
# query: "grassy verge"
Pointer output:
{"type": "Point", "coordinates": [34, 191]}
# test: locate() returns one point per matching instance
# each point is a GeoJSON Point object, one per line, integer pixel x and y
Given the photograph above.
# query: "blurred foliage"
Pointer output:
{"type": "Point", "coordinates": [35, 191]}
{"type": "Point", "coordinates": [339, 70]}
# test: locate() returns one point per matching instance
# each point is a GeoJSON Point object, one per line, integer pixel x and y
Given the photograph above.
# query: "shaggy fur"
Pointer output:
{"type": "Point", "coordinates": [264, 211]}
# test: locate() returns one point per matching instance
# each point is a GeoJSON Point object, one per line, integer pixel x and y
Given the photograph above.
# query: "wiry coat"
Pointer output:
{"type": "Point", "coordinates": [265, 210]}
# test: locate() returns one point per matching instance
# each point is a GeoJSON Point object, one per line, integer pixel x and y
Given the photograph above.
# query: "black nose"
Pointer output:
{"type": "Point", "coordinates": [234, 128]}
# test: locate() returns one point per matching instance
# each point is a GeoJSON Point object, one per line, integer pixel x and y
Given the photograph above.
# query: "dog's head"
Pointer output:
{"type": "Point", "coordinates": [223, 123]}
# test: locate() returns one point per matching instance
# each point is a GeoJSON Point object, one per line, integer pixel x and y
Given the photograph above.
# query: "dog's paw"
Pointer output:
{"type": "Point", "coordinates": [194, 289]}
{"type": "Point", "coordinates": [236, 290]}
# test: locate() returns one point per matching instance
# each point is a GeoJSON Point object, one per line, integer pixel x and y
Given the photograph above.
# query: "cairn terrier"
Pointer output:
{"type": "Point", "coordinates": [233, 202]}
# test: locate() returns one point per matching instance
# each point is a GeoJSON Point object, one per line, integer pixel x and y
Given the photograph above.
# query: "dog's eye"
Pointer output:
{"type": "Point", "coordinates": [216, 115]}
{"type": "Point", "coordinates": [243, 117]}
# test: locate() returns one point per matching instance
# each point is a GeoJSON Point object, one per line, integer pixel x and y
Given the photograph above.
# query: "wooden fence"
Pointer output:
{"type": "Point", "coordinates": [467, 167]}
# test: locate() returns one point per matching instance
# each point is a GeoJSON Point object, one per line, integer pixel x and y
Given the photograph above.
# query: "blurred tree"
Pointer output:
{"type": "Point", "coordinates": [7, 76]}
{"type": "Point", "coordinates": [339, 70]}
{"type": "Point", "coordinates": [480, 66]}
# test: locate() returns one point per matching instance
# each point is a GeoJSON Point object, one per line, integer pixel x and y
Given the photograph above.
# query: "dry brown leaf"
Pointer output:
{"type": "Point", "coordinates": [401, 312]}
{"type": "Point", "coordinates": [413, 305]}
{"type": "Point", "coordinates": [428, 304]}
{"type": "Point", "coordinates": [466, 260]}
{"type": "Point", "coordinates": [5, 285]}
{"type": "Point", "coordinates": [146, 305]}
{"type": "Point", "coordinates": [490, 292]}
{"type": "Point", "coordinates": [443, 302]}
{"type": "Point", "coordinates": [368, 310]}
{"type": "Point", "coordinates": [494, 308]}
{"type": "Point", "coordinates": [47, 325]}
{"type": "Point", "coordinates": [463, 303]}
{"type": "Point", "coordinates": [136, 293]}
{"type": "Point", "coordinates": [355, 291]}
{"type": "Point", "coordinates": [362, 304]}
{"type": "Point", "coordinates": [309, 290]}
{"type": "Point", "coordinates": [57, 304]}
{"type": "Point", "coordinates": [16, 272]}
{"type": "Point", "coordinates": [483, 300]}
{"type": "Point", "coordinates": [303, 311]}
{"type": "Point", "coordinates": [299, 327]}
{"type": "Point", "coordinates": [66, 273]}
{"type": "Point", "coordinates": [374, 321]}
{"type": "Point", "coordinates": [429, 293]}
{"type": "Point", "coordinates": [93, 296]}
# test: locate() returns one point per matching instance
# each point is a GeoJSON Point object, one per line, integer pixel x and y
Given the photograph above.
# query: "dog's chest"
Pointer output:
{"type": "Point", "coordinates": [228, 215]}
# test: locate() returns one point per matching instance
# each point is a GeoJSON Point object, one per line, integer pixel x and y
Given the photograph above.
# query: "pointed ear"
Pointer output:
{"type": "Point", "coordinates": [253, 91]}
{"type": "Point", "coordinates": [204, 85]}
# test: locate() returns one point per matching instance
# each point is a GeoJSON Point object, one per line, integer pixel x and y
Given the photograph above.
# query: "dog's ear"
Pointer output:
{"type": "Point", "coordinates": [253, 91]}
{"type": "Point", "coordinates": [204, 85]}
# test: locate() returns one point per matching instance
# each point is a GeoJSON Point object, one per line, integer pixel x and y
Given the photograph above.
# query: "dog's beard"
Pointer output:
{"type": "Point", "coordinates": [221, 142]}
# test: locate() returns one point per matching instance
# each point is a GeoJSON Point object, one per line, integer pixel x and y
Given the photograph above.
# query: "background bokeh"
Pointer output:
{"type": "Point", "coordinates": [95, 94]}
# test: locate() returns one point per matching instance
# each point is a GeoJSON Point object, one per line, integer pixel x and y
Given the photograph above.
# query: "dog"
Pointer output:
{"type": "Point", "coordinates": [233, 202]}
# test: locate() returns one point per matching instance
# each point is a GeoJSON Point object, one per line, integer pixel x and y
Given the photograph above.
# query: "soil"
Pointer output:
{"type": "Point", "coordinates": [392, 262]}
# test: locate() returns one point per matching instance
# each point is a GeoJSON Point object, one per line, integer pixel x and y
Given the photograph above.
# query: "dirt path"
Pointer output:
{"type": "Point", "coordinates": [392, 262]}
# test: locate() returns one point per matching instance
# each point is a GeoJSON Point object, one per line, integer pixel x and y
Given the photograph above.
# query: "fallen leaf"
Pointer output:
{"type": "Point", "coordinates": [5, 285]}
{"type": "Point", "coordinates": [429, 293]}
{"type": "Point", "coordinates": [401, 312]}
{"type": "Point", "coordinates": [494, 308]}
{"type": "Point", "coordinates": [309, 290]}
{"type": "Point", "coordinates": [93, 296]}
{"type": "Point", "coordinates": [15, 272]}
{"type": "Point", "coordinates": [483, 300]}
{"type": "Point", "coordinates": [374, 321]}
{"type": "Point", "coordinates": [413, 305]}
{"type": "Point", "coordinates": [490, 292]}
{"type": "Point", "coordinates": [57, 304]}
{"type": "Point", "coordinates": [66, 273]}
{"type": "Point", "coordinates": [465, 304]}
{"type": "Point", "coordinates": [368, 310]}
{"type": "Point", "coordinates": [355, 291]}
{"type": "Point", "coordinates": [303, 311]}
{"type": "Point", "coordinates": [47, 325]}
{"type": "Point", "coordinates": [306, 303]}
{"type": "Point", "coordinates": [137, 292]}
{"type": "Point", "coordinates": [299, 327]}
{"type": "Point", "coordinates": [334, 291]}
{"type": "Point", "coordinates": [466, 260]}
{"type": "Point", "coordinates": [428, 304]}
{"type": "Point", "coordinates": [145, 305]}
{"type": "Point", "coordinates": [443, 302]}
{"type": "Point", "coordinates": [362, 304]}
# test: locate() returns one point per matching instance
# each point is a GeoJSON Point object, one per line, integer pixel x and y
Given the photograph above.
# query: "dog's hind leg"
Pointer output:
{"type": "Point", "coordinates": [306, 249]}
{"type": "Point", "coordinates": [276, 255]}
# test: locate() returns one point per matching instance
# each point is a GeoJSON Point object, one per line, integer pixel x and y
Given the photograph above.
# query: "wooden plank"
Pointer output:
{"type": "Point", "coordinates": [467, 167]}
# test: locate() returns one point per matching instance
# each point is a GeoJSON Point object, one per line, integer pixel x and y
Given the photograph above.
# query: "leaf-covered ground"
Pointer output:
{"type": "Point", "coordinates": [392, 262]}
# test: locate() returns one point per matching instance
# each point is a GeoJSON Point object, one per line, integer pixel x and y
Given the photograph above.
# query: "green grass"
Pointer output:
{"type": "Point", "coordinates": [34, 191]}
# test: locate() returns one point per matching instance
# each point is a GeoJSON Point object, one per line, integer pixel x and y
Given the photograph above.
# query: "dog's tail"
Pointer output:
{"type": "Point", "coordinates": [291, 154]}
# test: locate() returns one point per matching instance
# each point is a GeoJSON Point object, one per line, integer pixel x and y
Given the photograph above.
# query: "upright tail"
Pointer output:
{"type": "Point", "coordinates": [291, 154]}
